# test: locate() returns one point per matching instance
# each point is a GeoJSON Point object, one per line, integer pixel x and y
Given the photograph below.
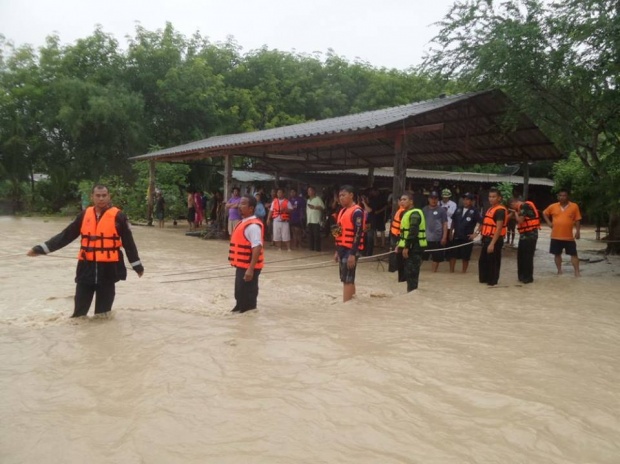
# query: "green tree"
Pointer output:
{"type": "Point", "coordinates": [559, 62]}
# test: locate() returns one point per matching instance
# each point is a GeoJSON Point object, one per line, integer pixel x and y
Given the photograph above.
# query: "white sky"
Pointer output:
{"type": "Point", "coordinates": [385, 33]}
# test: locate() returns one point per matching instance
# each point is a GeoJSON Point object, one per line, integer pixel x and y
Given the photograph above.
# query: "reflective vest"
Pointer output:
{"type": "Point", "coordinates": [240, 250]}
{"type": "Point", "coordinates": [488, 223]}
{"type": "Point", "coordinates": [346, 228]}
{"type": "Point", "coordinates": [406, 223]}
{"type": "Point", "coordinates": [395, 227]}
{"type": "Point", "coordinates": [529, 224]}
{"type": "Point", "coordinates": [275, 209]}
{"type": "Point", "coordinates": [100, 240]}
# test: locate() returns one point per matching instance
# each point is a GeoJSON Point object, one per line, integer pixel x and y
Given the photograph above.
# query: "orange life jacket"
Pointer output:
{"type": "Point", "coordinates": [529, 224]}
{"type": "Point", "coordinates": [347, 228]}
{"type": "Point", "coordinates": [395, 227]}
{"type": "Point", "coordinates": [275, 209]}
{"type": "Point", "coordinates": [240, 250]}
{"type": "Point", "coordinates": [488, 223]}
{"type": "Point", "coordinates": [100, 240]}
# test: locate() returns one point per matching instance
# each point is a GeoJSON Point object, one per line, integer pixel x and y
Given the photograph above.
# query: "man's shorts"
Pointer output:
{"type": "Point", "coordinates": [281, 231]}
{"type": "Point", "coordinates": [462, 252]}
{"type": "Point", "coordinates": [569, 246]}
{"type": "Point", "coordinates": [347, 276]}
{"type": "Point", "coordinates": [436, 256]}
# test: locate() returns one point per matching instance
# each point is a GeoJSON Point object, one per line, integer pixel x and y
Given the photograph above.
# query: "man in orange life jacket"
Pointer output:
{"type": "Point", "coordinates": [280, 214]}
{"type": "Point", "coordinates": [493, 231]}
{"type": "Point", "coordinates": [527, 220]}
{"type": "Point", "coordinates": [104, 230]}
{"type": "Point", "coordinates": [246, 254]}
{"type": "Point", "coordinates": [396, 259]}
{"type": "Point", "coordinates": [349, 233]}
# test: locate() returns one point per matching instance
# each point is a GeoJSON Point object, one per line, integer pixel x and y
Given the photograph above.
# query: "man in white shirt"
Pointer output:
{"type": "Point", "coordinates": [246, 254]}
{"type": "Point", "coordinates": [448, 205]}
{"type": "Point", "coordinates": [314, 214]}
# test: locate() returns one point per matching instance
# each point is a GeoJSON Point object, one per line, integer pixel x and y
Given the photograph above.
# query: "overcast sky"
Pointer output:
{"type": "Point", "coordinates": [386, 33]}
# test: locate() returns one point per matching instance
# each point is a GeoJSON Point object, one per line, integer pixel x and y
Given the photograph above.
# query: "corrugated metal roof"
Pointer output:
{"type": "Point", "coordinates": [444, 175]}
{"type": "Point", "coordinates": [350, 123]}
{"type": "Point", "coordinates": [473, 128]}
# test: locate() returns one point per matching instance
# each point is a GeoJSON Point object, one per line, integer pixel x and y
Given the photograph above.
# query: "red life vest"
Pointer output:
{"type": "Point", "coordinates": [100, 240]}
{"type": "Point", "coordinates": [347, 228]}
{"type": "Point", "coordinates": [281, 210]}
{"type": "Point", "coordinates": [240, 250]}
{"type": "Point", "coordinates": [529, 224]}
{"type": "Point", "coordinates": [488, 223]}
{"type": "Point", "coordinates": [395, 227]}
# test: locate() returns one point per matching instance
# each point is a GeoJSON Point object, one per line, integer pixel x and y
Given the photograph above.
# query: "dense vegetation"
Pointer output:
{"type": "Point", "coordinates": [76, 112]}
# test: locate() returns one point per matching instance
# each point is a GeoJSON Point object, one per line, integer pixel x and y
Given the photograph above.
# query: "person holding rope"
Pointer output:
{"type": "Point", "coordinates": [412, 241]}
{"type": "Point", "coordinates": [246, 254]}
{"type": "Point", "coordinates": [349, 234]}
{"type": "Point", "coordinates": [104, 230]}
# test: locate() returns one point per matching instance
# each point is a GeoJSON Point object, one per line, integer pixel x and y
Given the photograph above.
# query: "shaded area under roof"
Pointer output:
{"type": "Point", "coordinates": [455, 130]}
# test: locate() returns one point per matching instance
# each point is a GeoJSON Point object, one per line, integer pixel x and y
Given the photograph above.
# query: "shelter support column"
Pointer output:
{"type": "Point", "coordinates": [150, 192]}
{"type": "Point", "coordinates": [228, 168]}
{"type": "Point", "coordinates": [371, 177]}
{"type": "Point", "coordinates": [526, 178]}
{"type": "Point", "coordinates": [400, 170]}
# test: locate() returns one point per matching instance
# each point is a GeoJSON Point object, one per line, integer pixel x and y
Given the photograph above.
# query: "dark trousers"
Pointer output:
{"type": "Point", "coordinates": [490, 264]}
{"type": "Point", "coordinates": [246, 293]}
{"type": "Point", "coordinates": [396, 260]}
{"type": "Point", "coordinates": [525, 259]}
{"type": "Point", "coordinates": [314, 232]}
{"type": "Point", "coordinates": [369, 242]}
{"type": "Point", "coordinates": [412, 270]}
{"type": "Point", "coordinates": [84, 294]}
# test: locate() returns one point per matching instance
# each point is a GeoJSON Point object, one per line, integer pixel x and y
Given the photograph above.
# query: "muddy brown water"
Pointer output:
{"type": "Point", "coordinates": [452, 373]}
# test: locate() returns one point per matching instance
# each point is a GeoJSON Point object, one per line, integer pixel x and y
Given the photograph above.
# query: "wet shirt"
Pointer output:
{"type": "Point", "coordinates": [435, 219]}
{"type": "Point", "coordinates": [563, 220]}
{"type": "Point", "coordinates": [464, 222]}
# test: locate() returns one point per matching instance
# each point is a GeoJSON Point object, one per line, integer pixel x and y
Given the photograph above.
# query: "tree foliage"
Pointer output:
{"type": "Point", "coordinates": [77, 112]}
{"type": "Point", "coordinates": [560, 63]}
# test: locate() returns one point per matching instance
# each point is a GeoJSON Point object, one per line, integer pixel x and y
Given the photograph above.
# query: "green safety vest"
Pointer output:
{"type": "Point", "coordinates": [404, 228]}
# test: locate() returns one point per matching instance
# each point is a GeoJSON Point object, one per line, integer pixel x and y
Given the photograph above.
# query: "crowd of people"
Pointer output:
{"type": "Point", "coordinates": [441, 230]}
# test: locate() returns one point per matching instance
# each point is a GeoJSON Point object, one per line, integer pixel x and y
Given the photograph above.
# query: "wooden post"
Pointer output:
{"type": "Point", "coordinates": [526, 179]}
{"type": "Point", "coordinates": [150, 193]}
{"type": "Point", "coordinates": [228, 159]}
{"type": "Point", "coordinates": [400, 170]}
{"type": "Point", "coordinates": [371, 177]}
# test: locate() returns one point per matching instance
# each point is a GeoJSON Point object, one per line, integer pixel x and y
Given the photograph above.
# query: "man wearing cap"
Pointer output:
{"type": "Point", "coordinates": [436, 230]}
{"type": "Point", "coordinates": [448, 205]}
{"type": "Point", "coordinates": [464, 224]}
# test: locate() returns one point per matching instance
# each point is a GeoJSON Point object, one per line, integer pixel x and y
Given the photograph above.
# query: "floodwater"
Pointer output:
{"type": "Point", "coordinates": [455, 372]}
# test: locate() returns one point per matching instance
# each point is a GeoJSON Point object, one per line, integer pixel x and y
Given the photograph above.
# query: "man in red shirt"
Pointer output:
{"type": "Point", "coordinates": [562, 217]}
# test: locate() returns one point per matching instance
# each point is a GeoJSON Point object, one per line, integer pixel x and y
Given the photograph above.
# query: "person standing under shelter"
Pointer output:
{"type": "Point", "coordinates": [232, 205]}
{"type": "Point", "coordinates": [436, 230]}
{"type": "Point", "coordinates": [104, 229]}
{"type": "Point", "coordinates": [298, 217]}
{"type": "Point", "coordinates": [464, 223]}
{"type": "Point", "coordinates": [448, 205]}
{"type": "Point", "coordinates": [160, 206]}
{"type": "Point", "coordinates": [412, 241]}
{"type": "Point", "coordinates": [246, 255]}
{"type": "Point", "coordinates": [280, 214]}
{"type": "Point", "coordinates": [349, 234]}
{"type": "Point", "coordinates": [314, 212]}
{"type": "Point", "coordinates": [527, 220]}
{"type": "Point", "coordinates": [562, 217]}
{"type": "Point", "coordinates": [493, 231]}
